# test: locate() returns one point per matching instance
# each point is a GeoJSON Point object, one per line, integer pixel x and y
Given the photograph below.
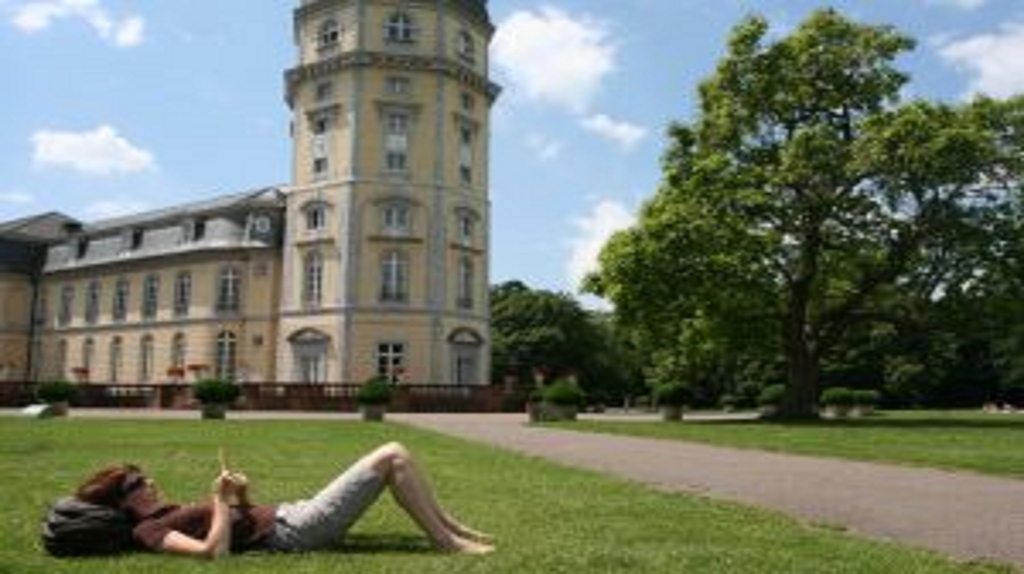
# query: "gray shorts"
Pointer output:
{"type": "Point", "coordinates": [320, 522]}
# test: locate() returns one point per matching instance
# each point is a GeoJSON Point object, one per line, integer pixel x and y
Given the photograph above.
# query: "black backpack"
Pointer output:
{"type": "Point", "coordinates": [73, 527]}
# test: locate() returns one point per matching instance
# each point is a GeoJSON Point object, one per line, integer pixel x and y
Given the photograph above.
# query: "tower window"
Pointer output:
{"type": "Point", "coordinates": [320, 167]}
{"type": "Point", "coordinates": [398, 85]}
{"type": "Point", "coordinates": [316, 217]}
{"type": "Point", "coordinates": [396, 141]}
{"type": "Point", "coordinates": [324, 91]}
{"type": "Point", "coordinates": [396, 219]}
{"type": "Point", "coordinates": [394, 286]}
{"type": "Point", "coordinates": [466, 47]}
{"type": "Point", "coordinates": [313, 279]}
{"type": "Point", "coordinates": [329, 34]}
{"type": "Point", "coordinates": [399, 28]}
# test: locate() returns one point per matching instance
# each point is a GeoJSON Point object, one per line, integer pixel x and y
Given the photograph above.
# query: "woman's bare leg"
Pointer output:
{"type": "Point", "coordinates": [410, 489]}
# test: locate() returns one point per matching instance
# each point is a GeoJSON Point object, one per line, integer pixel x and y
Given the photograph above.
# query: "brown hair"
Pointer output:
{"type": "Point", "coordinates": [110, 485]}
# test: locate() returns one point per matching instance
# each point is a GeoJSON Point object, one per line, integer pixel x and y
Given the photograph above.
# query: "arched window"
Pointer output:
{"type": "Point", "coordinates": [146, 358]}
{"type": "Point", "coordinates": [115, 359]}
{"type": "Point", "coordinates": [178, 349]}
{"type": "Point", "coordinates": [400, 28]}
{"type": "Point", "coordinates": [329, 34]}
{"type": "Point", "coordinates": [229, 291]}
{"type": "Point", "coordinates": [313, 279]}
{"type": "Point", "coordinates": [394, 284]}
{"type": "Point", "coordinates": [227, 353]}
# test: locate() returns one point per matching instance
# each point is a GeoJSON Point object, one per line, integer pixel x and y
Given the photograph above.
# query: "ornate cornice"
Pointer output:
{"type": "Point", "coordinates": [413, 62]}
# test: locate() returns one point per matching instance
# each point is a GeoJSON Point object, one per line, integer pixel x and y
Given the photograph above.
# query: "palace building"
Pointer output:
{"type": "Point", "coordinates": [373, 261]}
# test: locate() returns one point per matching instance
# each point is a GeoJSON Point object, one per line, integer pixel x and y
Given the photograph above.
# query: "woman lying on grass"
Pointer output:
{"type": "Point", "coordinates": [229, 522]}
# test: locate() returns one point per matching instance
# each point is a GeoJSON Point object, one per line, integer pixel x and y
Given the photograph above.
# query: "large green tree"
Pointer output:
{"type": "Point", "coordinates": [805, 199]}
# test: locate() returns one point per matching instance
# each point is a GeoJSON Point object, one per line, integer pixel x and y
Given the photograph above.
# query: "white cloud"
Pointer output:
{"type": "Point", "coordinates": [111, 208]}
{"type": "Point", "coordinates": [98, 152]}
{"type": "Point", "coordinates": [546, 148]}
{"type": "Point", "coordinates": [592, 231]}
{"type": "Point", "coordinates": [995, 61]}
{"type": "Point", "coordinates": [625, 134]}
{"type": "Point", "coordinates": [961, 4]}
{"type": "Point", "coordinates": [555, 57]}
{"type": "Point", "coordinates": [40, 15]}
{"type": "Point", "coordinates": [16, 197]}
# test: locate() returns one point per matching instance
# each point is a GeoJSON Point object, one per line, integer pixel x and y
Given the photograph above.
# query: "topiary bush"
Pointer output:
{"type": "Point", "coordinates": [58, 391]}
{"type": "Point", "coordinates": [838, 397]}
{"type": "Point", "coordinates": [375, 391]}
{"type": "Point", "coordinates": [563, 393]}
{"type": "Point", "coordinates": [673, 394]}
{"type": "Point", "coordinates": [215, 391]}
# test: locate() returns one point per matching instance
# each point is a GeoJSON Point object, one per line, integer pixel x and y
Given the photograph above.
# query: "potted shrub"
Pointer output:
{"type": "Point", "coordinates": [838, 402]}
{"type": "Point", "coordinates": [58, 395]}
{"type": "Point", "coordinates": [373, 398]}
{"type": "Point", "coordinates": [214, 396]}
{"type": "Point", "coordinates": [865, 401]}
{"type": "Point", "coordinates": [672, 399]}
{"type": "Point", "coordinates": [770, 399]}
{"type": "Point", "coordinates": [562, 400]}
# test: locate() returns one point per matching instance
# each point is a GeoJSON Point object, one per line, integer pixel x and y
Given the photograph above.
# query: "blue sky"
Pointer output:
{"type": "Point", "coordinates": [116, 106]}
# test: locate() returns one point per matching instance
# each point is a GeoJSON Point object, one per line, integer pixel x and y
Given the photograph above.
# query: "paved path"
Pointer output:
{"type": "Point", "coordinates": [965, 515]}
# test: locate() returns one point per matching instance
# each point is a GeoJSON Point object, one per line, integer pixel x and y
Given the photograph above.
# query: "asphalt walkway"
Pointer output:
{"type": "Point", "coordinates": [965, 515]}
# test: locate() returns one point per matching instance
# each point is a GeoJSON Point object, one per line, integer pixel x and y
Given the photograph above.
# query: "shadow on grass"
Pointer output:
{"type": "Point", "coordinates": [384, 543]}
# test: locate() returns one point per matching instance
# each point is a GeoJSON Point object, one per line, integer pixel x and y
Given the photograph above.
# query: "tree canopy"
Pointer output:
{"type": "Point", "coordinates": [806, 200]}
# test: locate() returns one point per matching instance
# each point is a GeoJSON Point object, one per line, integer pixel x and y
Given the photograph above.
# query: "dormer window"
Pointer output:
{"type": "Point", "coordinates": [135, 241]}
{"type": "Point", "coordinates": [328, 35]}
{"type": "Point", "coordinates": [193, 230]}
{"type": "Point", "coordinates": [465, 47]}
{"type": "Point", "coordinates": [81, 248]}
{"type": "Point", "coordinates": [399, 28]}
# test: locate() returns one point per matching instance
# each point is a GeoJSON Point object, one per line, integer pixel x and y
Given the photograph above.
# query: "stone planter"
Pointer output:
{"type": "Point", "coordinates": [373, 413]}
{"type": "Point", "coordinates": [672, 413]}
{"type": "Point", "coordinates": [838, 411]}
{"type": "Point", "coordinates": [59, 408]}
{"type": "Point", "coordinates": [213, 411]}
{"type": "Point", "coordinates": [559, 412]}
{"type": "Point", "coordinates": [535, 411]}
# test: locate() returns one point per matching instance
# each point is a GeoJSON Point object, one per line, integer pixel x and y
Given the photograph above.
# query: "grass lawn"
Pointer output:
{"type": "Point", "coordinates": [978, 442]}
{"type": "Point", "coordinates": [547, 518]}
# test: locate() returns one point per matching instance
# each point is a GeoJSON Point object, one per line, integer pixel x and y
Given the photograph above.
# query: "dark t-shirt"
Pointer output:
{"type": "Point", "coordinates": [251, 526]}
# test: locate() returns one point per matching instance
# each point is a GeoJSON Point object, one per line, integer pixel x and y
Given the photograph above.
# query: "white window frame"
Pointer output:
{"type": "Point", "coordinates": [226, 354]}
{"type": "Point", "coordinates": [391, 359]}
{"type": "Point", "coordinates": [92, 301]}
{"type": "Point", "coordinates": [182, 293]}
{"type": "Point", "coordinates": [122, 294]}
{"type": "Point", "coordinates": [229, 290]}
{"type": "Point", "coordinates": [400, 28]}
{"type": "Point", "coordinates": [394, 278]}
{"type": "Point", "coordinates": [396, 219]}
{"type": "Point", "coordinates": [150, 296]}
{"type": "Point", "coordinates": [147, 349]}
{"type": "Point", "coordinates": [313, 279]}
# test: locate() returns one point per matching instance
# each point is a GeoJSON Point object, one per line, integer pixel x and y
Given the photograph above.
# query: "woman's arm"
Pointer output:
{"type": "Point", "coordinates": [218, 540]}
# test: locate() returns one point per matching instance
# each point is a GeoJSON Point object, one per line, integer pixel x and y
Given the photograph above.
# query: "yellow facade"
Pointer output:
{"type": "Point", "coordinates": [373, 262]}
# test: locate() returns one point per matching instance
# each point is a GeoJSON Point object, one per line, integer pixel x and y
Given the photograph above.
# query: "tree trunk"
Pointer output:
{"type": "Point", "coordinates": [802, 369]}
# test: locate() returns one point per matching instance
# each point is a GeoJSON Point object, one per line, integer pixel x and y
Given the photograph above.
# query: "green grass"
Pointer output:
{"type": "Point", "coordinates": [547, 518]}
{"type": "Point", "coordinates": [978, 442]}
